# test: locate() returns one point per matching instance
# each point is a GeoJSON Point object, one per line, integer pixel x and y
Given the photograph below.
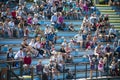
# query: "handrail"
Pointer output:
{"type": "Point", "coordinates": [21, 68]}
{"type": "Point", "coordinates": [11, 61]}
{"type": "Point", "coordinates": [10, 71]}
{"type": "Point", "coordinates": [9, 65]}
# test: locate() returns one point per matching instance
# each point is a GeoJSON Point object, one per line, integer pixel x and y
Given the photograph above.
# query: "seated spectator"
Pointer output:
{"type": "Point", "coordinates": [60, 21]}
{"type": "Point", "coordinates": [108, 50]}
{"type": "Point", "coordinates": [67, 49]}
{"type": "Point", "coordinates": [19, 55]}
{"type": "Point", "coordinates": [71, 44]}
{"type": "Point", "coordinates": [89, 51]}
{"type": "Point", "coordinates": [50, 37]}
{"type": "Point", "coordinates": [69, 58]}
{"type": "Point", "coordinates": [71, 27]}
{"type": "Point", "coordinates": [24, 44]}
{"type": "Point", "coordinates": [39, 49]}
{"type": "Point", "coordinates": [70, 75]}
{"type": "Point", "coordinates": [38, 31]}
{"type": "Point", "coordinates": [39, 67]}
{"type": "Point", "coordinates": [62, 49]}
{"type": "Point", "coordinates": [60, 66]}
{"type": "Point", "coordinates": [32, 43]}
{"type": "Point", "coordinates": [29, 20]}
{"type": "Point", "coordinates": [54, 74]}
{"type": "Point", "coordinates": [59, 57]}
{"type": "Point", "coordinates": [115, 2]}
{"type": "Point", "coordinates": [54, 57]}
{"type": "Point", "coordinates": [1, 29]}
{"type": "Point", "coordinates": [64, 43]}
{"type": "Point", "coordinates": [112, 33]}
{"type": "Point", "coordinates": [97, 51]}
{"type": "Point", "coordinates": [54, 18]}
{"type": "Point", "coordinates": [35, 19]}
{"type": "Point", "coordinates": [52, 64]}
{"type": "Point", "coordinates": [46, 73]}
{"type": "Point", "coordinates": [79, 39]}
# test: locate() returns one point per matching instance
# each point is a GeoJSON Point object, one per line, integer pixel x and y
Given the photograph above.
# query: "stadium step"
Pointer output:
{"type": "Point", "coordinates": [110, 13]}
{"type": "Point", "coordinates": [114, 21]}
{"type": "Point", "coordinates": [114, 18]}
{"type": "Point", "coordinates": [107, 11]}
{"type": "Point", "coordinates": [105, 8]}
{"type": "Point", "coordinates": [101, 5]}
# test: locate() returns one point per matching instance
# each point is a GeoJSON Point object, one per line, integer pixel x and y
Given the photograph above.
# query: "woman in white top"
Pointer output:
{"type": "Point", "coordinates": [35, 19]}
{"type": "Point", "coordinates": [46, 31]}
{"type": "Point", "coordinates": [64, 43]}
{"type": "Point", "coordinates": [79, 39]}
{"type": "Point", "coordinates": [19, 55]}
{"type": "Point", "coordinates": [59, 57]}
{"type": "Point", "coordinates": [32, 43]}
{"type": "Point", "coordinates": [97, 50]}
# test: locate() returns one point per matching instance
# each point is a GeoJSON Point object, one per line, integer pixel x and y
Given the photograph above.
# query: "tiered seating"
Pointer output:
{"type": "Point", "coordinates": [15, 43]}
{"type": "Point", "coordinates": [80, 69]}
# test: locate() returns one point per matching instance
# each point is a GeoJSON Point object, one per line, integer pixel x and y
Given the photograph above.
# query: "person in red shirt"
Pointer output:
{"type": "Point", "coordinates": [14, 14]}
{"type": "Point", "coordinates": [27, 61]}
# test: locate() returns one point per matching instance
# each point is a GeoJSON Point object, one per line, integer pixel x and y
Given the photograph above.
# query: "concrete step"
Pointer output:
{"type": "Point", "coordinates": [104, 8]}
{"type": "Point", "coordinates": [114, 21]}
{"type": "Point", "coordinates": [117, 27]}
{"type": "Point", "coordinates": [114, 16]}
{"type": "Point", "coordinates": [115, 24]}
{"type": "Point", "coordinates": [107, 11]}
{"type": "Point", "coordinates": [102, 5]}
{"type": "Point", "coordinates": [110, 13]}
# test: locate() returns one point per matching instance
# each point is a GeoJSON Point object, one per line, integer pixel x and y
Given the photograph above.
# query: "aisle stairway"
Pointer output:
{"type": "Point", "coordinates": [113, 13]}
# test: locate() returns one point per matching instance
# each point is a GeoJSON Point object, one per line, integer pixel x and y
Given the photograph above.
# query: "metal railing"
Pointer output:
{"type": "Point", "coordinates": [61, 75]}
{"type": "Point", "coordinates": [10, 70]}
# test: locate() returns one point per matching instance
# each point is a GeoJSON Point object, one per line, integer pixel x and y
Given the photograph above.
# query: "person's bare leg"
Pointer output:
{"type": "Point", "coordinates": [81, 44]}
{"type": "Point", "coordinates": [91, 71]}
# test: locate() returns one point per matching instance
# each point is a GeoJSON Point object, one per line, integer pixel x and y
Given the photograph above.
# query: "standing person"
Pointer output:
{"type": "Point", "coordinates": [10, 55]}
{"type": "Point", "coordinates": [101, 67]}
{"type": "Point", "coordinates": [14, 14]}
{"type": "Point", "coordinates": [27, 62]}
{"type": "Point", "coordinates": [39, 67]}
{"type": "Point", "coordinates": [46, 73]}
{"type": "Point", "coordinates": [92, 65]}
